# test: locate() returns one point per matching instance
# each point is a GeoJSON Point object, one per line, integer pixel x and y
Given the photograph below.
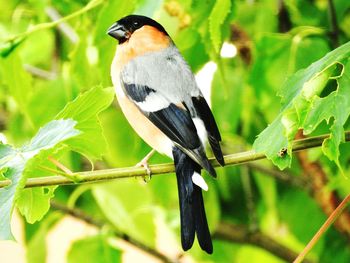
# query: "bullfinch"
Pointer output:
{"type": "Point", "coordinates": [157, 93]}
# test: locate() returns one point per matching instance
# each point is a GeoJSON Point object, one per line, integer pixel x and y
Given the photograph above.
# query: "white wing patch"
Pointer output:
{"type": "Point", "coordinates": [197, 179]}
{"type": "Point", "coordinates": [154, 102]}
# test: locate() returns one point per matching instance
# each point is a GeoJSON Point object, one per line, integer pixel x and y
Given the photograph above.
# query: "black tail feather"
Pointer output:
{"type": "Point", "coordinates": [200, 221]}
{"type": "Point", "coordinates": [192, 212]}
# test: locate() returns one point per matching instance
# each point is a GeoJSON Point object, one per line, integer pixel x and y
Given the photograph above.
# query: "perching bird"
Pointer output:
{"type": "Point", "coordinates": [157, 93]}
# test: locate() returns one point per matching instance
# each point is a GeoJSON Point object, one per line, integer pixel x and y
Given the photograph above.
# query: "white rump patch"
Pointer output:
{"type": "Point", "coordinates": [197, 179]}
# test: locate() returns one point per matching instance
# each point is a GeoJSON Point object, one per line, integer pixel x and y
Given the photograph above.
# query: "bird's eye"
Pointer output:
{"type": "Point", "coordinates": [136, 24]}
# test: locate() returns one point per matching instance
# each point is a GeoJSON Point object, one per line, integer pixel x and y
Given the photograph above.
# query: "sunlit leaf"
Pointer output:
{"type": "Point", "coordinates": [84, 109]}
{"type": "Point", "coordinates": [16, 161]}
{"type": "Point", "coordinates": [34, 203]}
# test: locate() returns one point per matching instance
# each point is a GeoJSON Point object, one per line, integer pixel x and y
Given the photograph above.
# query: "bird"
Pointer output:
{"type": "Point", "coordinates": [157, 92]}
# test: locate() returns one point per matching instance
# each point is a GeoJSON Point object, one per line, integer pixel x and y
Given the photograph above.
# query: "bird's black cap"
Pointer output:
{"type": "Point", "coordinates": [123, 28]}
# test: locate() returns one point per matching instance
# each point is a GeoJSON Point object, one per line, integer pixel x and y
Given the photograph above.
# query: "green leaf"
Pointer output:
{"type": "Point", "coordinates": [17, 80]}
{"type": "Point", "coordinates": [303, 108]}
{"type": "Point", "coordinates": [84, 110]}
{"type": "Point", "coordinates": [337, 106]}
{"type": "Point", "coordinates": [217, 17]}
{"type": "Point", "coordinates": [17, 160]}
{"type": "Point", "coordinates": [34, 203]}
{"type": "Point", "coordinates": [128, 205]}
{"type": "Point", "coordinates": [98, 250]}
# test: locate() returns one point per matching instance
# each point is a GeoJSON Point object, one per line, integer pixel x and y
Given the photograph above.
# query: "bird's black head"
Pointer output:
{"type": "Point", "coordinates": [123, 28]}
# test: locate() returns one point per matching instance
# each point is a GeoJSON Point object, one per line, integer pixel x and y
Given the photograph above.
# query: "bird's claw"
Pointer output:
{"type": "Point", "coordinates": [145, 165]}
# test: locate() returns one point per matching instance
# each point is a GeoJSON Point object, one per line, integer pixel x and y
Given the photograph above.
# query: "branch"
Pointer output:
{"type": "Point", "coordinates": [117, 173]}
{"type": "Point", "coordinates": [77, 213]}
{"type": "Point", "coordinates": [240, 234]}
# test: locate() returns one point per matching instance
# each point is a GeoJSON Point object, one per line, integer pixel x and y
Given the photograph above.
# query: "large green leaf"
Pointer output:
{"type": "Point", "coordinates": [303, 108]}
{"type": "Point", "coordinates": [17, 160]}
{"type": "Point", "coordinates": [93, 249]}
{"type": "Point", "coordinates": [84, 109]}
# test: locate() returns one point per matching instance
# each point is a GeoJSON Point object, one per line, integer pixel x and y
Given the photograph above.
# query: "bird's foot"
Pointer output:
{"type": "Point", "coordinates": [144, 163]}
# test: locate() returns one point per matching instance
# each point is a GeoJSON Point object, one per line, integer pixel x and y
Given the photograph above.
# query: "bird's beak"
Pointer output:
{"type": "Point", "coordinates": [117, 31]}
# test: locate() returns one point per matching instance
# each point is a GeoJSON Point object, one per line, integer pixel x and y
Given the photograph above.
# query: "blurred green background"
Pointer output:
{"type": "Point", "coordinates": [256, 213]}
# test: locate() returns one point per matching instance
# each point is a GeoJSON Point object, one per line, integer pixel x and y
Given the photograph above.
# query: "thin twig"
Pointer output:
{"type": "Point", "coordinates": [59, 165]}
{"type": "Point", "coordinates": [117, 173]}
{"type": "Point", "coordinates": [336, 213]}
{"type": "Point", "coordinates": [241, 234]}
{"type": "Point", "coordinates": [77, 213]}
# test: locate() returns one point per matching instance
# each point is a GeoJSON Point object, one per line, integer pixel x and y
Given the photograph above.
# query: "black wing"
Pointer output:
{"type": "Point", "coordinates": [214, 137]}
{"type": "Point", "coordinates": [173, 121]}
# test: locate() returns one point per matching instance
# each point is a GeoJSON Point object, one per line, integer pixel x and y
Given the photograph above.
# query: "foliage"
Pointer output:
{"type": "Point", "coordinates": [290, 73]}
